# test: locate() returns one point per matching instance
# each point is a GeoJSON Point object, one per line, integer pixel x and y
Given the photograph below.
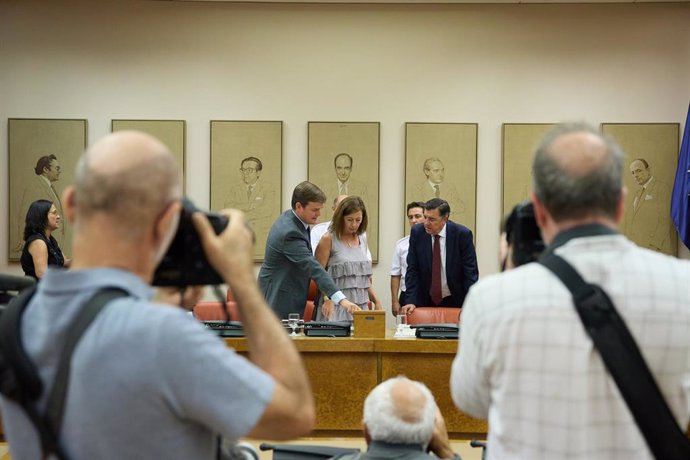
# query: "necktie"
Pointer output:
{"type": "Point", "coordinates": [438, 191]}
{"type": "Point", "coordinates": [308, 231]}
{"type": "Point", "coordinates": [249, 191]}
{"type": "Point", "coordinates": [436, 293]}
{"type": "Point", "coordinates": [343, 188]}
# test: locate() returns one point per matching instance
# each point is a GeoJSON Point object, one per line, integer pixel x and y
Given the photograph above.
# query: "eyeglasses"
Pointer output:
{"type": "Point", "coordinates": [248, 170]}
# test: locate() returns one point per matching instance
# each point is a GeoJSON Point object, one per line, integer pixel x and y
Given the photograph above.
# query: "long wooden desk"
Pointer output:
{"type": "Point", "coordinates": [343, 370]}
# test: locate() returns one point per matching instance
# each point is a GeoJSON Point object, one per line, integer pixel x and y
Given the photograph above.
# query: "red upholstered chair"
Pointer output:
{"type": "Point", "coordinates": [434, 315]}
{"type": "Point", "coordinates": [311, 298]}
{"type": "Point", "coordinates": [213, 311]}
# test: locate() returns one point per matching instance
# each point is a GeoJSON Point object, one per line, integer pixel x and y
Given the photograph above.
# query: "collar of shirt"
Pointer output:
{"type": "Point", "coordinates": [579, 231]}
{"type": "Point", "coordinates": [306, 226]}
{"type": "Point", "coordinates": [60, 281]}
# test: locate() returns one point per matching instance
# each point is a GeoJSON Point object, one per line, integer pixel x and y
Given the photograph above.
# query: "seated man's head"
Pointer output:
{"type": "Point", "coordinates": [399, 411]}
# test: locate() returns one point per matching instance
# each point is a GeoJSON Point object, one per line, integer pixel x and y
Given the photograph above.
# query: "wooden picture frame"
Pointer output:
{"type": "Point", "coordinates": [246, 173]}
{"type": "Point", "coordinates": [355, 143]}
{"type": "Point", "coordinates": [173, 133]}
{"type": "Point", "coordinates": [519, 141]}
{"type": "Point", "coordinates": [651, 156]}
{"type": "Point", "coordinates": [34, 174]}
{"type": "Point", "coordinates": [441, 161]}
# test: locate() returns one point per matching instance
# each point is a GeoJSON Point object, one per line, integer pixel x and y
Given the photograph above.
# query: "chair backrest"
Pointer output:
{"type": "Point", "coordinates": [230, 297]}
{"type": "Point", "coordinates": [311, 298]}
{"type": "Point", "coordinates": [213, 311]}
{"type": "Point", "coordinates": [434, 315]}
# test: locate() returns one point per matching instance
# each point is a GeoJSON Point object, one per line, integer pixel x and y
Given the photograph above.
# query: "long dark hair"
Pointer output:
{"type": "Point", "coordinates": [37, 218]}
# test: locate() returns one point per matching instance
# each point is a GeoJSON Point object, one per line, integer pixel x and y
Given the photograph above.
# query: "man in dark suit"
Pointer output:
{"type": "Point", "coordinates": [441, 262]}
{"type": "Point", "coordinates": [289, 263]}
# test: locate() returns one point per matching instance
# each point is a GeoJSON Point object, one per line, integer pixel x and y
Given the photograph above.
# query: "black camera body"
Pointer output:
{"type": "Point", "coordinates": [524, 235]}
{"type": "Point", "coordinates": [185, 263]}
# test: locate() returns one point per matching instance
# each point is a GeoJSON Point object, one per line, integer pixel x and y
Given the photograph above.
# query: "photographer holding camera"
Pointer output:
{"type": "Point", "coordinates": [148, 381]}
{"type": "Point", "coordinates": [527, 363]}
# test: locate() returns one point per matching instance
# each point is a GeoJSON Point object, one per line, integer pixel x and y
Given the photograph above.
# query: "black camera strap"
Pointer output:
{"type": "Point", "coordinates": [47, 425]}
{"type": "Point", "coordinates": [624, 362]}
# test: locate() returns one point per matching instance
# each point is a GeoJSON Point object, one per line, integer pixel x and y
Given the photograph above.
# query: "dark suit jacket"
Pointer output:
{"type": "Point", "coordinates": [288, 266]}
{"type": "Point", "coordinates": [461, 264]}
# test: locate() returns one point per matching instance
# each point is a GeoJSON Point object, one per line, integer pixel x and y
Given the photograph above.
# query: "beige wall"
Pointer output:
{"type": "Point", "coordinates": [390, 63]}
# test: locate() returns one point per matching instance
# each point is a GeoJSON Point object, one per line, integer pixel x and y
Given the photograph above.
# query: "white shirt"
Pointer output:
{"type": "Point", "coordinates": [399, 262]}
{"type": "Point", "coordinates": [317, 232]}
{"type": "Point", "coordinates": [526, 363]}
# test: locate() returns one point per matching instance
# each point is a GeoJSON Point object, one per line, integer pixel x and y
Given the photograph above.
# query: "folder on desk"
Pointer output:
{"type": "Point", "coordinates": [327, 328]}
{"type": "Point", "coordinates": [226, 328]}
{"type": "Point", "coordinates": [436, 331]}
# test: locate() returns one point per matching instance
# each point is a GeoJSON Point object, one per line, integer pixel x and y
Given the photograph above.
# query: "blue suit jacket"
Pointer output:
{"type": "Point", "coordinates": [288, 266]}
{"type": "Point", "coordinates": [461, 264]}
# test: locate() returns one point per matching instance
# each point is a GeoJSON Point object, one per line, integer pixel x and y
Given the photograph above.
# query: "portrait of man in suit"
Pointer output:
{"type": "Point", "coordinates": [434, 186]}
{"type": "Point", "coordinates": [648, 219]}
{"type": "Point", "coordinates": [254, 196]}
{"type": "Point", "coordinates": [41, 187]}
{"type": "Point", "coordinates": [344, 183]}
{"type": "Point", "coordinates": [441, 260]}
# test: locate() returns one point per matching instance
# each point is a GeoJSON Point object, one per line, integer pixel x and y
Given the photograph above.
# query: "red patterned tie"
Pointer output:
{"type": "Point", "coordinates": [436, 293]}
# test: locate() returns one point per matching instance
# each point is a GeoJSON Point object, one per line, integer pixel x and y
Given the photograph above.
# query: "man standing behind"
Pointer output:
{"type": "Point", "coordinates": [415, 215]}
{"type": "Point", "coordinates": [526, 361]}
{"type": "Point", "coordinates": [289, 262]}
{"type": "Point", "coordinates": [148, 381]}
{"type": "Point", "coordinates": [318, 230]}
{"type": "Point", "coordinates": [441, 262]}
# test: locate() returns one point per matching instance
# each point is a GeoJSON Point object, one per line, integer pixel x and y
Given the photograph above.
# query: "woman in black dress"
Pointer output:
{"type": "Point", "coordinates": [40, 248]}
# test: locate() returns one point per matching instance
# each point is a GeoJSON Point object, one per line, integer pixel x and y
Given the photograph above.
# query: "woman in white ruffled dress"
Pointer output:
{"type": "Point", "coordinates": [343, 251]}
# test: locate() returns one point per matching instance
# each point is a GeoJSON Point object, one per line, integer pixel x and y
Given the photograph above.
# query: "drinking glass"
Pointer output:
{"type": "Point", "coordinates": [293, 322]}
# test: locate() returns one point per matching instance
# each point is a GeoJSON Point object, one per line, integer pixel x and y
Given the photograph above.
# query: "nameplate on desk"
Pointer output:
{"type": "Point", "coordinates": [327, 329]}
{"type": "Point", "coordinates": [226, 328]}
{"type": "Point", "coordinates": [436, 331]}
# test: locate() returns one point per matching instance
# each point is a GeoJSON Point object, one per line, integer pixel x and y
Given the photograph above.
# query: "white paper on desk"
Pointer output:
{"type": "Point", "coordinates": [404, 330]}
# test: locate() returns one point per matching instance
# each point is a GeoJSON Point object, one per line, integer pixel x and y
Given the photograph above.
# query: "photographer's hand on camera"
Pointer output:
{"type": "Point", "coordinates": [291, 411]}
{"type": "Point", "coordinates": [230, 252]}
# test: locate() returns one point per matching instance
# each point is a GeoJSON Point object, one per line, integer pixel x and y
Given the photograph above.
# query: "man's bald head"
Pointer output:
{"type": "Point", "coordinates": [128, 176]}
{"type": "Point", "coordinates": [400, 411]}
{"type": "Point", "coordinates": [578, 173]}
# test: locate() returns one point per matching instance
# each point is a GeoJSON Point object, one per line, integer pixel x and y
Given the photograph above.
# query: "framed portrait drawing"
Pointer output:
{"type": "Point", "coordinates": [42, 157]}
{"type": "Point", "coordinates": [441, 162]}
{"type": "Point", "coordinates": [246, 165]}
{"type": "Point", "coordinates": [171, 132]}
{"type": "Point", "coordinates": [651, 156]}
{"type": "Point", "coordinates": [344, 160]}
{"type": "Point", "coordinates": [519, 143]}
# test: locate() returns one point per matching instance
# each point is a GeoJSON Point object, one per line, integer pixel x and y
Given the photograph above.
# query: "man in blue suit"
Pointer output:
{"type": "Point", "coordinates": [441, 262]}
{"type": "Point", "coordinates": [289, 263]}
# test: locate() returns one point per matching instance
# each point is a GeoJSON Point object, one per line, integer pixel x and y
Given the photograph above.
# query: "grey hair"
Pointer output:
{"type": "Point", "coordinates": [567, 195]}
{"type": "Point", "coordinates": [383, 422]}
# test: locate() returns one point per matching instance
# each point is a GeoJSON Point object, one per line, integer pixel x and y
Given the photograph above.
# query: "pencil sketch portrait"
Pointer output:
{"type": "Point", "coordinates": [42, 156]}
{"type": "Point", "coordinates": [441, 162]}
{"type": "Point", "coordinates": [344, 160]}
{"type": "Point", "coordinates": [246, 162]}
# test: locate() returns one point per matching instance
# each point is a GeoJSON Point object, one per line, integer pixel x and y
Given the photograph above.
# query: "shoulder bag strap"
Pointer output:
{"type": "Point", "coordinates": [625, 363]}
{"type": "Point", "coordinates": [56, 400]}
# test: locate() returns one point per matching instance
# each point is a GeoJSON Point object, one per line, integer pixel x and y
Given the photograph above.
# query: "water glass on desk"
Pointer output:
{"type": "Point", "coordinates": [293, 322]}
{"type": "Point", "coordinates": [400, 320]}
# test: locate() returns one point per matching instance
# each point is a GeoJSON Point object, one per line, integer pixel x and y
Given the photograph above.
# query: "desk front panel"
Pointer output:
{"type": "Point", "coordinates": [342, 371]}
